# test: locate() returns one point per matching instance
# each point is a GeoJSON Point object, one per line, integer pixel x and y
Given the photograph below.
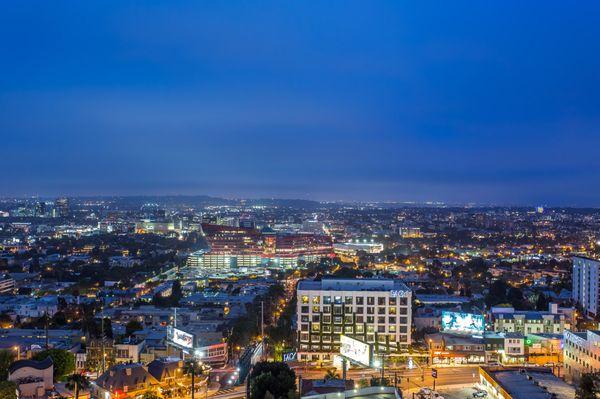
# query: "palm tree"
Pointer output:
{"type": "Point", "coordinates": [191, 367]}
{"type": "Point", "coordinates": [77, 382]}
{"type": "Point", "coordinates": [151, 394]}
{"type": "Point", "coordinates": [332, 375]}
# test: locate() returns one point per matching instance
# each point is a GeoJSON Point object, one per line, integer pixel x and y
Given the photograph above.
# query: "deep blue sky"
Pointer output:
{"type": "Point", "coordinates": [495, 102]}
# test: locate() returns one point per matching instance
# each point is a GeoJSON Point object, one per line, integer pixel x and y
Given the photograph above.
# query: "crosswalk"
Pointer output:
{"type": "Point", "coordinates": [224, 391]}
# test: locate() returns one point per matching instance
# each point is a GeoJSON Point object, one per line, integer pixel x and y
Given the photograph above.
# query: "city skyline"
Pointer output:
{"type": "Point", "coordinates": [457, 103]}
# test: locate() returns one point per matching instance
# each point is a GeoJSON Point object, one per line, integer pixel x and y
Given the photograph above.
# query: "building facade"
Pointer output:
{"type": "Point", "coordinates": [508, 320]}
{"type": "Point", "coordinates": [586, 279]}
{"type": "Point", "coordinates": [374, 311]}
{"type": "Point", "coordinates": [581, 353]}
{"type": "Point", "coordinates": [233, 247]}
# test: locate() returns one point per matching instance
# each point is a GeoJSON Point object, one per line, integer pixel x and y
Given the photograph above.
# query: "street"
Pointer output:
{"type": "Point", "coordinates": [408, 379]}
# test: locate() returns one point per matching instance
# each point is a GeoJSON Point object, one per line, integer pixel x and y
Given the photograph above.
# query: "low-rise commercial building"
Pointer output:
{"type": "Point", "coordinates": [124, 381]}
{"type": "Point", "coordinates": [523, 383]}
{"type": "Point", "coordinates": [544, 349]}
{"type": "Point", "coordinates": [446, 348]}
{"type": "Point", "coordinates": [505, 348]}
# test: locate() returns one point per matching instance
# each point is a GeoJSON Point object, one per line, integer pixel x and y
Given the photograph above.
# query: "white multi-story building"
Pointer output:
{"type": "Point", "coordinates": [553, 321]}
{"type": "Point", "coordinates": [581, 353]}
{"type": "Point", "coordinates": [586, 279]}
{"type": "Point", "coordinates": [375, 311]}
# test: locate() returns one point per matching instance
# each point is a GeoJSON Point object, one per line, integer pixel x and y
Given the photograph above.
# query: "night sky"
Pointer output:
{"type": "Point", "coordinates": [486, 102]}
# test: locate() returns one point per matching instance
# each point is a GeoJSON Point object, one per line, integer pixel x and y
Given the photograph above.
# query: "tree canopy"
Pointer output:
{"type": "Point", "coordinates": [6, 358]}
{"type": "Point", "coordinates": [500, 292]}
{"type": "Point", "coordinates": [274, 379]}
{"type": "Point", "coordinates": [133, 326]}
{"type": "Point", "coordinates": [64, 361]}
{"type": "Point", "coordinates": [8, 390]}
{"type": "Point", "coordinates": [589, 386]}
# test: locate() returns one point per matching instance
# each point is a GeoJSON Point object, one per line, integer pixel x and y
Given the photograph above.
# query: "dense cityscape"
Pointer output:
{"type": "Point", "coordinates": [299, 199]}
{"type": "Point", "coordinates": [180, 297]}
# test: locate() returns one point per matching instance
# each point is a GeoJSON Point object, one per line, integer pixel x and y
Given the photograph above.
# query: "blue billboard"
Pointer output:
{"type": "Point", "coordinates": [466, 323]}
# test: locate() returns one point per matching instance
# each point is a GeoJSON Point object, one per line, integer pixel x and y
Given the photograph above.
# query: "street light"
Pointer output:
{"type": "Point", "coordinates": [430, 351]}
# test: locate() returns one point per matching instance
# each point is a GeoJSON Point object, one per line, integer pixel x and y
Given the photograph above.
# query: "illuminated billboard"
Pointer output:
{"type": "Point", "coordinates": [466, 323]}
{"type": "Point", "coordinates": [355, 350]}
{"type": "Point", "coordinates": [180, 338]}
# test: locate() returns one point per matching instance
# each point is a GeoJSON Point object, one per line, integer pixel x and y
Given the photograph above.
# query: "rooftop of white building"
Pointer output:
{"type": "Point", "coordinates": [531, 384]}
{"type": "Point", "coordinates": [372, 284]}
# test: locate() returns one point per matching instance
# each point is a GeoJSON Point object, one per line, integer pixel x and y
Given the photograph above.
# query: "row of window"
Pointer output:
{"type": "Point", "coordinates": [338, 310]}
{"type": "Point", "coordinates": [351, 329]}
{"type": "Point", "coordinates": [529, 330]}
{"type": "Point", "coordinates": [350, 300]}
{"type": "Point", "coordinates": [527, 321]}
{"type": "Point", "coordinates": [349, 319]}
{"type": "Point", "coordinates": [370, 338]}
{"type": "Point", "coordinates": [574, 347]}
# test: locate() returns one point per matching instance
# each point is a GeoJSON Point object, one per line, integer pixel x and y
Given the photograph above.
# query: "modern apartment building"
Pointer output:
{"type": "Point", "coordinates": [553, 321]}
{"type": "Point", "coordinates": [586, 279]}
{"type": "Point", "coordinates": [374, 311]}
{"type": "Point", "coordinates": [581, 353]}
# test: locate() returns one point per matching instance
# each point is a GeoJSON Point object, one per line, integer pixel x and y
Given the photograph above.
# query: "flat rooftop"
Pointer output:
{"type": "Point", "coordinates": [531, 384]}
{"type": "Point", "coordinates": [359, 284]}
{"type": "Point", "coordinates": [441, 299]}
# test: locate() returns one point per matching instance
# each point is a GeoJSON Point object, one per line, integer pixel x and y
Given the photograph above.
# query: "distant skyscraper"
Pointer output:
{"type": "Point", "coordinates": [247, 223]}
{"type": "Point", "coordinates": [40, 209]}
{"type": "Point", "coordinates": [62, 207]}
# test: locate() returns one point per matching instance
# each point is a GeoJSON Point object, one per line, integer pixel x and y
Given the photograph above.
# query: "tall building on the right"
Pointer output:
{"type": "Point", "coordinates": [586, 279]}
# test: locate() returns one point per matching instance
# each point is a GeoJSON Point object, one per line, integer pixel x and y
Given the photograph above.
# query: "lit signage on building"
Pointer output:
{"type": "Point", "coordinates": [290, 356]}
{"type": "Point", "coordinates": [355, 350]}
{"type": "Point", "coordinates": [399, 294]}
{"type": "Point", "coordinates": [180, 338]}
{"type": "Point", "coordinates": [466, 323]}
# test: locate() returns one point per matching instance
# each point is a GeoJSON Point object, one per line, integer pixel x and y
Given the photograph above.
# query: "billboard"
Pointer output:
{"type": "Point", "coordinates": [180, 338]}
{"type": "Point", "coordinates": [466, 323]}
{"type": "Point", "coordinates": [355, 350]}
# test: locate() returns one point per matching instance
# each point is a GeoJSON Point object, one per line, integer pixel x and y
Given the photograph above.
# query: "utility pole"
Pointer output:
{"type": "Point", "coordinates": [102, 338]}
{"type": "Point", "coordinates": [262, 328]}
{"type": "Point", "coordinates": [46, 328]}
{"type": "Point", "coordinates": [193, 374]}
